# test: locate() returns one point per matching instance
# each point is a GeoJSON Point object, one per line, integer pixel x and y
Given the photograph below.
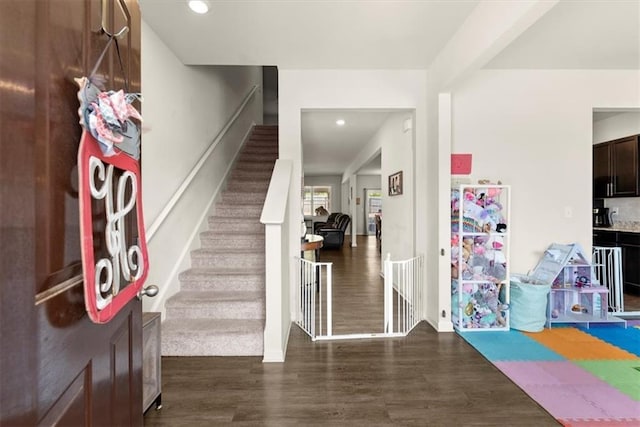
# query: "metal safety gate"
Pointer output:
{"type": "Point", "coordinates": [403, 299]}
{"type": "Point", "coordinates": [403, 295]}
{"type": "Point", "coordinates": [607, 266]}
{"type": "Point", "coordinates": [313, 297]}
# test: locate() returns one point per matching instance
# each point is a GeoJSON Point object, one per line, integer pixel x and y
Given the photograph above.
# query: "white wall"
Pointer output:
{"type": "Point", "coordinates": [345, 197]}
{"type": "Point", "coordinates": [398, 214]}
{"type": "Point", "coordinates": [379, 89]}
{"type": "Point", "coordinates": [368, 182]}
{"type": "Point", "coordinates": [532, 129]}
{"type": "Point", "coordinates": [184, 109]}
{"type": "Point", "coordinates": [619, 126]}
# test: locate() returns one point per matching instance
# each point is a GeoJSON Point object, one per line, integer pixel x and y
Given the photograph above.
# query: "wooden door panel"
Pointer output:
{"type": "Point", "coordinates": [57, 366]}
{"type": "Point", "coordinates": [109, 353]}
{"type": "Point", "coordinates": [17, 274]}
{"type": "Point", "coordinates": [60, 37]}
{"type": "Point", "coordinates": [72, 404]}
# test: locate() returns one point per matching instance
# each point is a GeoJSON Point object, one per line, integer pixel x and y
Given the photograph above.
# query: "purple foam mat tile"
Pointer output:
{"type": "Point", "coordinates": [546, 373]}
{"type": "Point", "coordinates": [564, 401]}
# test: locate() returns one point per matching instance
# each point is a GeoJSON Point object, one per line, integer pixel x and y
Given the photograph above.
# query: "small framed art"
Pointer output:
{"type": "Point", "coordinates": [395, 184]}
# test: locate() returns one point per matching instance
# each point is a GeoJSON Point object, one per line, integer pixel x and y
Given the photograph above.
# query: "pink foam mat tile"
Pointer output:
{"type": "Point", "coordinates": [613, 402]}
{"type": "Point", "coordinates": [603, 422]}
{"type": "Point", "coordinates": [565, 402]}
{"type": "Point", "coordinates": [547, 373]}
{"type": "Point", "coordinates": [586, 401]}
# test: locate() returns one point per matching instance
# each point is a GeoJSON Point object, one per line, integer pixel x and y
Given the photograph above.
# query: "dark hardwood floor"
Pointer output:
{"type": "Point", "coordinates": [631, 302]}
{"type": "Point", "coordinates": [425, 379]}
{"type": "Point", "coordinates": [358, 288]}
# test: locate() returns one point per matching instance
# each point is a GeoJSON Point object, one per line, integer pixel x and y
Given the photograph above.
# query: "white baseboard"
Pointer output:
{"type": "Point", "coordinates": [278, 356]}
{"type": "Point", "coordinates": [440, 325]}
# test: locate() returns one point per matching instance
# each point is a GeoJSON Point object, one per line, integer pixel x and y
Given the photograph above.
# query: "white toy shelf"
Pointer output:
{"type": "Point", "coordinates": [480, 257]}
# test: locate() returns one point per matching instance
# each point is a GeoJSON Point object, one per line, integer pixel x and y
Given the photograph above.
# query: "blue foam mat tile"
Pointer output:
{"type": "Point", "coordinates": [509, 346]}
{"type": "Point", "coordinates": [627, 339]}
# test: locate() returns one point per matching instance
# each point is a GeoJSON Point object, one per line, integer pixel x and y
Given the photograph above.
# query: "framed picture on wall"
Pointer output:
{"type": "Point", "coordinates": [395, 184]}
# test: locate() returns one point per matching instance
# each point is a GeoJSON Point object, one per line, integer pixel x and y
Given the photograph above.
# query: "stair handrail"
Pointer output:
{"type": "Point", "coordinates": [168, 207]}
{"type": "Point", "coordinates": [275, 204]}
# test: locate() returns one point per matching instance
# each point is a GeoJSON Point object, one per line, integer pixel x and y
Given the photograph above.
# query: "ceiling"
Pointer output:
{"type": "Point", "coordinates": [580, 34]}
{"type": "Point", "coordinates": [382, 34]}
{"type": "Point", "coordinates": [400, 34]}
{"type": "Point", "coordinates": [328, 148]}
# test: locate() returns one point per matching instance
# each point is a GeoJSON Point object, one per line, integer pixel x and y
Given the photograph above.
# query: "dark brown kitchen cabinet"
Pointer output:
{"type": "Point", "coordinates": [601, 171]}
{"type": "Point", "coordinates": [616, 168]}
{"type": "Point", "coordinates": [605, 238]}
{"type": "Point", "coordinates": [630, 244]}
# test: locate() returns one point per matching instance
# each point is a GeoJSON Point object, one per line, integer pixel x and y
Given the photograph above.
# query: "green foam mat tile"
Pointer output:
{"type": "Point", "coordinates": [621, 374]}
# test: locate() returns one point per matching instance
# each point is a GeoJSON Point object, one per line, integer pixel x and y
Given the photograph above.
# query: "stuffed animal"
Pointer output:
{"type": "Point", "coordinates": [493, 303]}
{"type": "Point", "coordinates": [473, 211]}
{"type": "Point", "coordinates": [467, 248]}
{"type": "Point", "coordinates": [466, 272]}
{"type": "Point", "coordinates": [497, 272]}
{"type": "Point", "coordinates": [498, 255]}
{"type": "Point", "coordinates": [494, 192]}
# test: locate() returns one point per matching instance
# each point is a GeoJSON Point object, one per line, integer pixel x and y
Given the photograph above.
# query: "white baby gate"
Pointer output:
{"type": "Point", "coordinates": [403, 299]}
{"type": "Point", "coordinates": [403, 295]}
{"type": "Point", "coordinates": [607, 265]}
{"type": "Point", "coordinates": [314, 281]}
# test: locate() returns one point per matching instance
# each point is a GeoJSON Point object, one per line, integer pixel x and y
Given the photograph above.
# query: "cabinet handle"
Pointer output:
{"type": "Point", "coordinates": [614, 185]}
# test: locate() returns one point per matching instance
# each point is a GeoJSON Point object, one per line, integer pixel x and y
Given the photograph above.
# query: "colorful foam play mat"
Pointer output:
{"type": "Point", "coordinates": [582, 377]}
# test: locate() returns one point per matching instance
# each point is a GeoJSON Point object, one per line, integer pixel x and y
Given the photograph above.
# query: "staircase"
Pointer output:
{"type": "Point", "coordinates": [220, 308]}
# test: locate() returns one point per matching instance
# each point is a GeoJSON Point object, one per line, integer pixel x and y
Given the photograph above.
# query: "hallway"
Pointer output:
{"type": "Point", "coordinates": [424, 379]}
{"type": "Point", "coordinates": [358, 288]}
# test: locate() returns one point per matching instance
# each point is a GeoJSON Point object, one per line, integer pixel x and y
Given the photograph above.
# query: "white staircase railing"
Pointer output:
{"type": "Point", "coordinates": [403, 295]}
{"type": "Point", "coordinates": [607, 265]}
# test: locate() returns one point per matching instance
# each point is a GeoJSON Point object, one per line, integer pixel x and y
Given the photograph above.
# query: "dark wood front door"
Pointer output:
{"type": "Point", "coordinates": [56, 366]}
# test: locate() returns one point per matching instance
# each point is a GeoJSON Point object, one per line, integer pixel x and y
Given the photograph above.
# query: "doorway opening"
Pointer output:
{"type": "Point", "coordinates": [353, 152]}
{"type": "Point", "coordinates": [616, 194]}
{"type": "Point", "coordinates": [372, 210]}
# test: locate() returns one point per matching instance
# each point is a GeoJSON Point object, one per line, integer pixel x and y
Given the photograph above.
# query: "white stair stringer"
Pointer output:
{"type": "Point", "coordinates": [220, 308]}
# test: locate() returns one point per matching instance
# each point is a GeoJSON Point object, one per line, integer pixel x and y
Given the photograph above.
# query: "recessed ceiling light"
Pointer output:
{"type": "Point", "coordinates": [340, 122]}
{"type": "Point", "coordinates": [199, 6]}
